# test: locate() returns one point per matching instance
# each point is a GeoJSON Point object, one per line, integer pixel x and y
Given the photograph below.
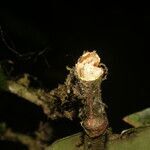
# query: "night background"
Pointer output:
{"type": "Point", "coordinates": [64, 30]}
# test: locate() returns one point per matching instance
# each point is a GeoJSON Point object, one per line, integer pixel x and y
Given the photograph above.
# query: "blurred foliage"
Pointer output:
{"type": "Point", "coordinates": [2, 127]}
{"type": "Point", "coordinates": [3, 79]}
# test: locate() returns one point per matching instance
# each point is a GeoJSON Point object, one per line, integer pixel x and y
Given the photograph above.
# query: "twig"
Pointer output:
{"type": "Point", "coordinates": [36, 96]}
{"type": "Point", "coordinates": [90, 73]}
{"type": "Point", "coordinates": [7, 45]}
{"type": "Point", "coordinates": [55, 103]}
{"type": "Point", "coordinates": [31, 143]}
{"type": "Point", "coordinates": [28, 55]}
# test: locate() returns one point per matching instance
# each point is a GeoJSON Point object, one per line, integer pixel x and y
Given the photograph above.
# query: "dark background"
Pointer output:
{"type": "Point", "coordinates": [119, 33]}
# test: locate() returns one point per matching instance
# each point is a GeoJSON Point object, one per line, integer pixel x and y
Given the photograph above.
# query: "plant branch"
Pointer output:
{"type": "Point", "coordinates": [8, 134]}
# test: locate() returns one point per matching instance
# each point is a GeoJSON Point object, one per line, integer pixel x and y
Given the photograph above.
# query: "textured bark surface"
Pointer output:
{"type": "Point", "coordinates": [90, 75]}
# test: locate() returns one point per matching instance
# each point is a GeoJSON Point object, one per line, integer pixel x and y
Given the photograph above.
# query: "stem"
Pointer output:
{"type": "Point", "coordinates": [90, 74]}
{"type": "Point", "coordinates": [26, 140]}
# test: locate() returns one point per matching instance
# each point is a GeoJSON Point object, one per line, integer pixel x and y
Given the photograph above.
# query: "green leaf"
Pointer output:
{"type": "Point", "coordinates": [133, 139]}
{"type": "Point", "coordinates": [2, 127]}
{"type": "Point", "coordinates": [139, 119]}
{"type": "Point", "coordinates": [3, 79]}
{"type": "Point", "coordinates": [67, 143]}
